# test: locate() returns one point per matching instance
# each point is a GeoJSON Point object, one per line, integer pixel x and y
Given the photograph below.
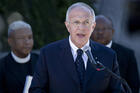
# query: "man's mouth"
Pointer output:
{"type": "Point", "coordinates": [81, 35]}
{"type": "Point", "coordinates": [27, 48]}
{"type": "Point", "coordinates": [100, 37]}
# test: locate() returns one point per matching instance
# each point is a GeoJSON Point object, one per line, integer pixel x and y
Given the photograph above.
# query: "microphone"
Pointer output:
{"type": "Point", "coordinates": [87, 50]}
{"type": "Point", "coordinates": [99, 66]}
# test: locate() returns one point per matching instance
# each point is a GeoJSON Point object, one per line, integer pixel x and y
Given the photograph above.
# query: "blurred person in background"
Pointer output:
{"type": "Point", "coordinates": [20, 62]}
{"type": "Point", "coordinates": [103, 34]}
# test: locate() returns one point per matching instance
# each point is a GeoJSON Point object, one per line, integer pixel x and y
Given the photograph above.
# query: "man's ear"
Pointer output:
{"type": "Point", "coordinates": [94, 25]}
{"type": "Point", "coordinates": [67, 25]}
{"type": "Point", "coordinates": [113, 31]}
{"type": "Point", "coordinates": [10, 41]}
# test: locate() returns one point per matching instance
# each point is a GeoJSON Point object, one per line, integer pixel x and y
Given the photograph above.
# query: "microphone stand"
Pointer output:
{"type": "Point", "coordinates": [99, 66]}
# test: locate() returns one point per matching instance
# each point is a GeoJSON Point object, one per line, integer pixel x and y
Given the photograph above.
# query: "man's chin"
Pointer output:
{"type": "Point", "coordinates": [100, 41]}
{"type": "Point", "coordinates": [26, 52]}
{"type": "Point", "coordinates": [81, 43]}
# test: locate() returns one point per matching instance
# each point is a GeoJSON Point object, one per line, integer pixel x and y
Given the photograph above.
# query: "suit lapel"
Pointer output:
{"type": "Point", "coordinates": [90, 69]}
{"type": "Point", "coordinates": [68, 61]}
{"type": "Point", "coordinates": [113, 46]}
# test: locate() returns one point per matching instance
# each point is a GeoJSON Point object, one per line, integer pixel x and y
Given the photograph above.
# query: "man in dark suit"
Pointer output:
{"type": "Point", "coordinates": [103, 34]}
{"type": "Point", "coordinates": [64, 68]}
{"type": "Point", "coordinates": [19, 64]}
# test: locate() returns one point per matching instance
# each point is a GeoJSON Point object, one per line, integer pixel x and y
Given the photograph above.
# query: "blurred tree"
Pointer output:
{"type": "Point", "coordinates": [45, 16]}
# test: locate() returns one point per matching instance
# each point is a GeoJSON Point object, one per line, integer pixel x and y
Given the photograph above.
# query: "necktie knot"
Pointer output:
{"type": "Point", "coordinates": [79, 52]}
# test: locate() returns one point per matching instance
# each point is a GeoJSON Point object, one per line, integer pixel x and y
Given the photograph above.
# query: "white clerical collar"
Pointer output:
{"type": "Point", "coordinates": [21, 60]}
{"type": "Point", "coordinates": [109, 44]}
{"type": "Point", "coordinates": [74, 47]}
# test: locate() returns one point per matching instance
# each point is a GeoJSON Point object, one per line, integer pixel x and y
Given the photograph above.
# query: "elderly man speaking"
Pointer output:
{"type": "Point", "coordinates": [64, 67]}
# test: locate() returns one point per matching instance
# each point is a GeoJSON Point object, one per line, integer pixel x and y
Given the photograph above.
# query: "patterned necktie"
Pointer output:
{"type": "Point", "coordinates": [80, 67]}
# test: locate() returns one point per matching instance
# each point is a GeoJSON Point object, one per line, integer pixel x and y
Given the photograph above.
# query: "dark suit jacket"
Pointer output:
{"type": "Point", "coordinates": [56, 72]}
{"type": "Point", "coordinates": [127, 65]}
{"type": "Point", "coordinates": [13, 74]}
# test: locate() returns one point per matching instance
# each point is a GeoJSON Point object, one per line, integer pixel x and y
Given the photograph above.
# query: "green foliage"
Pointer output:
{"type": "Point", "coordinates": [45, 16]}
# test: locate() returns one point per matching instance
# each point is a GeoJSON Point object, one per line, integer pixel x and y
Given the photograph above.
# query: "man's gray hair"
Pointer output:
{"type": "Point", "coordinates": [82, 5]}
{"type": "Point", "coordinates": [17, 25]}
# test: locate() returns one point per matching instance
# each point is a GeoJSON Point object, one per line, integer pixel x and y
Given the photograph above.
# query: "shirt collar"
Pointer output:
{"type": "Point", "coordinates": [74, 47]}
{"type": "Point", "coordinates": [21, 60]}
{"type": "Point", "coordinates": [109, 44]}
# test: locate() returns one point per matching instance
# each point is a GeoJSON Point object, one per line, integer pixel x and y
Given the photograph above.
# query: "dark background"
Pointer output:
{"type": "Point", "coordinates": [45, 16]}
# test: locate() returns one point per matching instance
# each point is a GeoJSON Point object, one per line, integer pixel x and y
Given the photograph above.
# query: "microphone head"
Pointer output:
{"type": "Point", "coordinates": [86, 48]}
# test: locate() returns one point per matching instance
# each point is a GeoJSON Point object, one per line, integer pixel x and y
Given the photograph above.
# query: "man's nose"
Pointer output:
{"type": "Point", "coordinates": [27, 41]}
{"type": "Point", "coordinates": [100, 31]}
{"type": "Point", "coordinates": [81, 26]}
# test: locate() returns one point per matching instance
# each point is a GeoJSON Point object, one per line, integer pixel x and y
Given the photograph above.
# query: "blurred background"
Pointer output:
{"type": "Point", "coordinates": [47, 20]}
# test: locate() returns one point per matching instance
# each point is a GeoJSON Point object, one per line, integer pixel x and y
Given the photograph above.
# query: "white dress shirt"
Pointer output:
{"type": "Point", "coordinates": [74, 51]}
{"type": "Point", "coordinates": [109, 44]}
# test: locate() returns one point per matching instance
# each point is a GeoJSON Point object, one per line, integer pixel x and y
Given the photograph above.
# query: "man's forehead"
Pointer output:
{"type": "Point", "coordinates": [79, 11]}
{"type": "Point", "coordinates": [103, 23]}
{"type": "Point", "coordinates": [21, 31]}
{"type": "Point", "coordinates": [81, 18]}
{"type": "Point", "coordinates": [79, 14]}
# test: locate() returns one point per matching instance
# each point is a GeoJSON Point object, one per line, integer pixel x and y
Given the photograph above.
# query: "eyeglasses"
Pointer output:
{"type": "Point", "coordinates": [86, 23]}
